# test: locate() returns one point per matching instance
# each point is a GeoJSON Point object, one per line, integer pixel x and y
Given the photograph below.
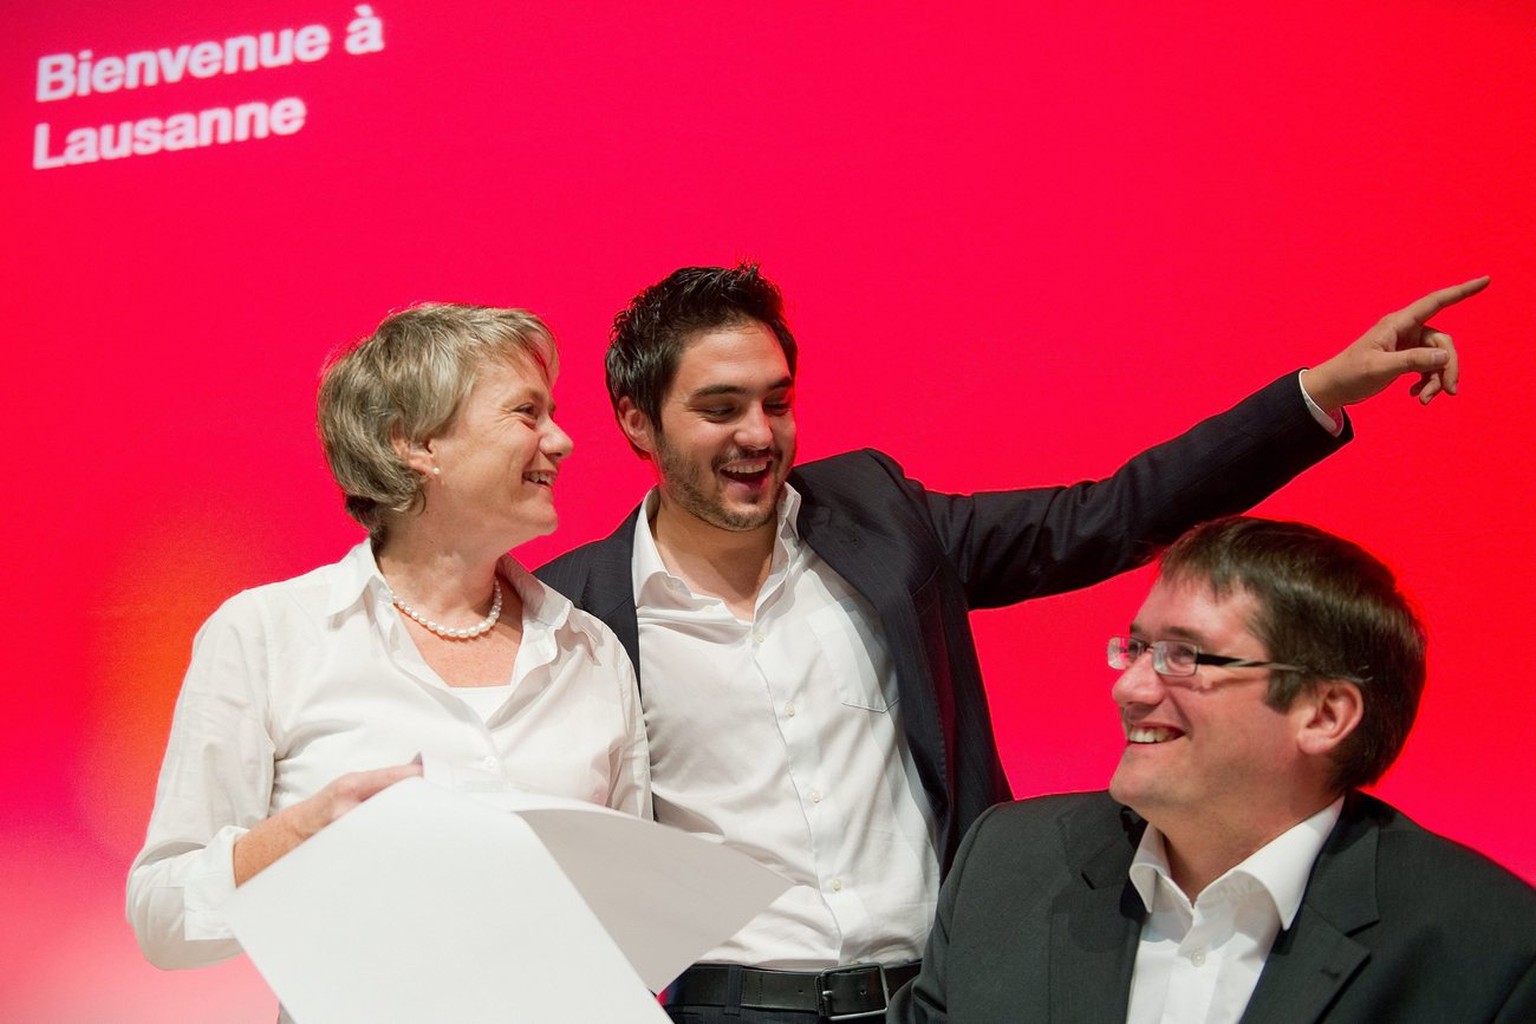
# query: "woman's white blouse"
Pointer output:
{"type": "Point", "coordinates": [296, 683]}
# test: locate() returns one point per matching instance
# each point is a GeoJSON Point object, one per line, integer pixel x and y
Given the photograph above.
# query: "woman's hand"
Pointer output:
{"type": "Point", "coordinates": [289, 827]}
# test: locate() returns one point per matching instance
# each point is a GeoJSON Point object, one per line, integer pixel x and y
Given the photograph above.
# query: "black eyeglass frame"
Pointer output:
{"type": "Point", "coordinates": [1125, 651]}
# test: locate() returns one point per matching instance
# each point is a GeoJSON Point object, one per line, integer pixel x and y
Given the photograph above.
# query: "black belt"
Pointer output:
{"type": "Point", "coordinates": [838, 993]}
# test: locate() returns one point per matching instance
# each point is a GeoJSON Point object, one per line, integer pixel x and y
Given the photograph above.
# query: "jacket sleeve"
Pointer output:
{"type": "Point", "coordinates": [1013, 545]}
{"type": "Point", "coordinates": [925, 999]}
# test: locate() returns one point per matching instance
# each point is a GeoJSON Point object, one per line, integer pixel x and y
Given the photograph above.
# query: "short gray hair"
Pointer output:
{"type": "Point", "coordinates": [406, 381]}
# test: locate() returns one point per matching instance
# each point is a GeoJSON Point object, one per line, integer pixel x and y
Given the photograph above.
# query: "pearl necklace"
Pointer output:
{"type": "Point", "coordinates": [472, 633]}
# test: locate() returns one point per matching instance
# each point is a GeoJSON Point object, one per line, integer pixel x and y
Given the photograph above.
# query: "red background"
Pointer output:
{"type": "Point", "coordinates": [1019, 242]}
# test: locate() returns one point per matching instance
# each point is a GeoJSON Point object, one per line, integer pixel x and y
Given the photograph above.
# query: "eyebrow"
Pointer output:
{"type": "Point", "coordinates": [1172, 633]}
{"type": "Point", "coordinates": [716, 390]}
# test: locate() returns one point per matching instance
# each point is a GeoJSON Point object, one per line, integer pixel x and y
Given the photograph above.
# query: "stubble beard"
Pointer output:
{"type": "Point", "coordinates": [680, 478]}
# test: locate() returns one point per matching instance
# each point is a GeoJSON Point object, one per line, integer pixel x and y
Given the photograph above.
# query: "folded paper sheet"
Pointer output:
{"type": "Point", "coordinates": [424, 904]}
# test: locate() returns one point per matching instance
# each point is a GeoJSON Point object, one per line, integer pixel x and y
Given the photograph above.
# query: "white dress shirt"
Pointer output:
{"type": "Point", "coordinates": [782, 735]}
{"type": "Point", "coordinates": [1199, 963]}
{"type": "Point", "coordinates": [296, 683]}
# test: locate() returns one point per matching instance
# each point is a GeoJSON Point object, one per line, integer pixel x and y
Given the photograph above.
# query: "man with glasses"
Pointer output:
{"type": "Point", "coordinates": [1234, 870]}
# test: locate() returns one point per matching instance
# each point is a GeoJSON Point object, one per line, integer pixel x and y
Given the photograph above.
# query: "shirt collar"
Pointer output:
{"type": "Point", "coordinates": [543, 604]}
{"type": "Point", "coordinates": [1281, 866]}
{"type": "Point", "coordinates": [551, 623]}
{"type": "Point", "coordinates": [646, 565]}
{"type": "Point", "coordinates": [359, 573]}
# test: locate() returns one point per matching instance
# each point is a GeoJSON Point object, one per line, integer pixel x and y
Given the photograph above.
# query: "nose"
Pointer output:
{"type": "Point", "coordinates": [556, 444]}
{"type": "Point", "coordinates": [755, 429]}
{"type": "Point", "coordinates": [1139, 684]}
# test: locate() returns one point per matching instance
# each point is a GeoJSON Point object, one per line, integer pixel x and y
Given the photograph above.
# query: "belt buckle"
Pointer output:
{"type": "Point", "coordinates": [824, 994]}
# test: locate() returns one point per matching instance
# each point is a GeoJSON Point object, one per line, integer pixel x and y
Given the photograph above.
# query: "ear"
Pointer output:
{"type": "Point", "coordinates": [637, 426]}
{"type": "Point", "coordinates": [418, 457]}
{"type": "Point", "coordinates": [1327, 715]}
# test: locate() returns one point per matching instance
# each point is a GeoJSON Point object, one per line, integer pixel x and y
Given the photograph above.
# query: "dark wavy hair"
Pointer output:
{"type": "Point", "coordinates": [650, 334]}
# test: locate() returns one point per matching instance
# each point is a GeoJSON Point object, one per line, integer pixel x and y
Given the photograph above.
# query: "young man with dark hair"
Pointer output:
{"type": "Point", "coordinates": [810, 682]}
{"type": "Point", "coordinates": [1233, 871]}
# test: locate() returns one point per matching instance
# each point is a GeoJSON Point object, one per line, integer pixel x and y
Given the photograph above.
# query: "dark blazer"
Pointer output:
{"type": "Point", "coordinates": [924, 560]}
{"type": "Point", "coordinates": [1038, 921]}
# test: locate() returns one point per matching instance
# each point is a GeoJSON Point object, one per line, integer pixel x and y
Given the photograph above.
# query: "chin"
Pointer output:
{"type": "Point", "coordinates": [727, 516]}
{"type": "Point", "coordinates": [746, 521]}
{"type": "Point", "coordinates": [527, 531]}
{"type": "Point", "coordinates": [1125, 790]}
{"type": "Point", "coordinates": [759, 512]}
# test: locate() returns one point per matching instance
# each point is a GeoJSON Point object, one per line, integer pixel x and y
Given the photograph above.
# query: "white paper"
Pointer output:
{"type": "Point", "coordinates": [427, 905]}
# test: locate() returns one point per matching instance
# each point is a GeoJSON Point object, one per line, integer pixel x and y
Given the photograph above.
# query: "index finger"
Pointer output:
{"type": "Point", "coordinates": [1434, 302]}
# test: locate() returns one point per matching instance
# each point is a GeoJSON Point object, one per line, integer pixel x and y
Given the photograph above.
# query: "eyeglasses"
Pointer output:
{"type": "Point", "coordinates": [1179, 657]}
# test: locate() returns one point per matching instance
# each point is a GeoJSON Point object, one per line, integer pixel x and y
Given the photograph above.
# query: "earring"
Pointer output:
{"type": "Point", "coordinates": [437, 470]}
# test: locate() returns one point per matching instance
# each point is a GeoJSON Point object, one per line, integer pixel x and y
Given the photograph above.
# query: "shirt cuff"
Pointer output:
{"type": "Point", "coordinates": [1333, 424]}
{"type": "Point", "coordinates": [210, 884]}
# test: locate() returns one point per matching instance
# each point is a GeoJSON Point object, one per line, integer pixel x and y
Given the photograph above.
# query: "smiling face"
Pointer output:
{"type": "Point", "coordinates": [1205, 754]}
{"type": "Point", "coordinates": [493, 470]}
{"type": "Point", "coordinates": [726, 440]}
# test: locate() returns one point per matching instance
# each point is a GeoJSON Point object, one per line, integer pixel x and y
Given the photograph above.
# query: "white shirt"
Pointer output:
{"type": "Point", "coordinates": [783, 736]}
{"type": "Point", "coordinates": [1200, 962]}
{"type": "Point", "coordinates": [296, 683]}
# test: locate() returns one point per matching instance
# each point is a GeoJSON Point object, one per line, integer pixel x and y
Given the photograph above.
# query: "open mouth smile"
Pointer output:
{"type": "Point", "coordinates": [747, 471]}
{"type": "Point", "coordinates": [1145, 734]}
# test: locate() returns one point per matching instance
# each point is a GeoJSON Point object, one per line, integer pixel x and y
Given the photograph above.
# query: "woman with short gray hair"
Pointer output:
{"type": "Point", "coordinates": [306, 697]}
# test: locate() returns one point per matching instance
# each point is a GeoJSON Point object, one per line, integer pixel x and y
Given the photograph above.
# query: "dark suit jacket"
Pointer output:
{"type": "Point", "coordinates": [1038, 921]}
{"type": "Point", "coordinates": [924, 560]}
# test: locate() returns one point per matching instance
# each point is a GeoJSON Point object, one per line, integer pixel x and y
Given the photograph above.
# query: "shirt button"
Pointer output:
{"type": "Point", "coordinates": [759, 636]}
{"type": "Point", "coordinates": [1198, 959]}
{"type": "Point", "coordinates": [837, 885]}
{"type": "Point", "coordinates": [815, 796]}
{"type": "Point", "coordinates": [789, 709]}
{"type": "Point", "coordinates": [488, 763]}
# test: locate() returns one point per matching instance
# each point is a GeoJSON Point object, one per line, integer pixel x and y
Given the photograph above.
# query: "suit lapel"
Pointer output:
{"type": "Point", "coordinates": [1094, 930]}
{"type": "Point", "coordinates": [831, 535]}
{"type": "Point", "coordinates": [1312, 961]}
{"type": "Point", "coordinates": [1092, 953]}
{"type": "Point", "coordinates": [608, 591]}
{"type": "Point", "coordinates": [835, 540]}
